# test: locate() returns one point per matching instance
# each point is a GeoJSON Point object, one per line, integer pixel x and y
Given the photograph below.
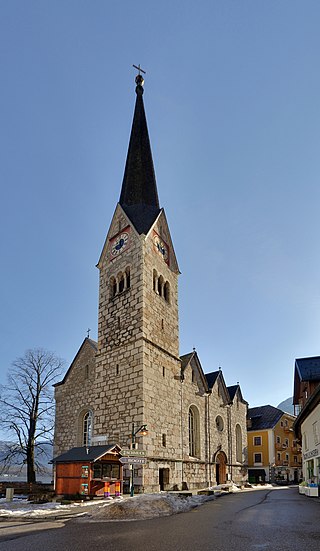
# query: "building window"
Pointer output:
{"type": "Point", "coordinates": [315, 432]}
{"type": "Point", "coordinates": [286, 442]}
{"type": "Point", "coordinates": [164, 440]}
{"type": "Point", "coordinates": [160, 286]}
{"type": "Point", "coordinates": [163, 371]}
{"type": "Point", "coordinates": [128, 280]}
{"type": "Point", "coordinates": [104, 471]}
{"type": "Point", "coordinates": [310, 473]}
{"type": "Point", "coordinates": [155, 277]}
{"type": "Point", "coordinates": [257, 441]}
{"type": "Point", "coordinates": [238, 444]}
{"type": "Point", "coordinates": [278, 440]}
{"type": "Point", "coordinates": [117, 369]}
{"type": "Point", "coordinates": [87, 428]}
{"type": "Point", "coordinates": [166, 291]}
{"type": "Point", "coordinates": [219, 423]}
{"type": "Point", "coordinates": [86, 372]}
{"type": "Point", "coordinates": [278, 456]}
{"type": "Point", "coordinates": [120, 283]}
{"type": "Point", "coordinates": [113, 287]}
{"type": "Point", "coordinates": [257, 458]}
{"type": "Point", "coordinates": [295, 459]}
{"type": "Point", "coordinates": [287, 457]}
{"type": "Point", "coordinates": [194, 436]}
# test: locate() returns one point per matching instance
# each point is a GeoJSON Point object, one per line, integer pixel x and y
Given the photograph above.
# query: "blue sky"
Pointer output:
{"type": "Point", "coordinates": [232, 99]}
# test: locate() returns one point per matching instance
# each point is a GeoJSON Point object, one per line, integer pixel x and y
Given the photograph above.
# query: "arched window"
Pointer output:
{"type": "Point", "coordinates": [113, 287]}
{"type": "Point", "coordinates": [155, 276]}
{"type": "Point", "coordinates": [166, 291]}
{"type": "Point", "coordinates": [160, 285]}
{"type": "Point", "coordinates": [127, 278]}
{"type": "Point", "coordinates": [121, 283]}
{"type": "Point", "coordinates": [194, 434]}
{"type": "Point", "coordinates": [219, 423]}
{"type": "Point", "coordinates": [87, 428]}
{"type": "Point", "coordinates": [238, 444]}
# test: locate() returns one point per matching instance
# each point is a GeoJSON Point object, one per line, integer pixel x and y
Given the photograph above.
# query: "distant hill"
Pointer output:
{"type": "Point", "coordinates": [287, 406]}
{"type": "Point", "coordinates": [16, 473]}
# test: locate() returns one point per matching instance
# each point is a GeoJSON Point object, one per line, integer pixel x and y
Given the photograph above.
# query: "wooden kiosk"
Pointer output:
{"type": "Point", "coordinates": [89, 471]}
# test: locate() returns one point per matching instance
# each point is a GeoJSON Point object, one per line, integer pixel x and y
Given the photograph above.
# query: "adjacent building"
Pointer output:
{"type": "Point", "coordinates": [307, 425]}
{"type": "Point", "coordinates": [274, 454]}
{"type": "Point", "coordinates": [131, 387]}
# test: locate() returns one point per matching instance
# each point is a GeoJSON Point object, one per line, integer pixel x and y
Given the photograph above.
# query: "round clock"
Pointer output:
{"type": "Point", "coordinates": [119, 243]}
{"type": "Point", "coordinates": [161, 247]}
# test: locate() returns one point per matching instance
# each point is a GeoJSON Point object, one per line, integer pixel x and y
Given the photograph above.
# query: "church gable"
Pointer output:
{"type": "Point", "coordinates": [160, 238]}
{"type": "Point", "coordinates": [217, 384]}
{"type": "Point", "coordinates": [82, 366]}
{"type": "Point", "coordinates": [191, 371]}
{"type": "Point", "coordinates": [120, 238]}
{"type": "Point", "coordinates": [236, 394]}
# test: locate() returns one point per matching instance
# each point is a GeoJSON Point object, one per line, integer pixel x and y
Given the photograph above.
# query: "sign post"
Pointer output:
{"type": "Point", "coordinates": [141, 431]}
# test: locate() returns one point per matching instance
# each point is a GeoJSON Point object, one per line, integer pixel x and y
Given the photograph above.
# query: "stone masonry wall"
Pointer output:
{"type": "Point", "coordinates": [72, 397]}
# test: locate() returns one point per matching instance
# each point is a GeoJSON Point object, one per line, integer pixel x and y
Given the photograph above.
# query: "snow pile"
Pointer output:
{"type": "Point", "coordinates": [130, 508]}
{"type": "Point", "coordinates": [148, 506]}
{"type": "Point", "coordinates": [230, 487]}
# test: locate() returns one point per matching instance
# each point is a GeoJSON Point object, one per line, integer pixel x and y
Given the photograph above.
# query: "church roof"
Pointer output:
{"type": "Point", "coordinates": [139, 195]}
{"type": "Point", "coordinates": [212, 377]}
{"type": "Point", "coordinates": [232, 390]}
{"type": "Point", "coordinates": [83, 453]}
{"type": "Point", "coordinates": [264, 417]}
{"type": "Point", "coordinates": [185, 359]}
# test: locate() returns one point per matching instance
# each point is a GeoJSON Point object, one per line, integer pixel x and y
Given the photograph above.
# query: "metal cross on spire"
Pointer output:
{"type": "Point", "coordinates": [139, 69]}
{"type": "Point", "coordinates": [88, 333]}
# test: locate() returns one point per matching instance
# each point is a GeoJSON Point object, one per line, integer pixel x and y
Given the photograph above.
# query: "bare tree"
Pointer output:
{"type": "Point", "coordinates": [27, 407]}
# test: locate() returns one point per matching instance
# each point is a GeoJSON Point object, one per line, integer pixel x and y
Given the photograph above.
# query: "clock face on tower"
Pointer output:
{"type": "Point", "coordinates": [119, 243]}
{"type": "Point", "coordinates": [161, 247]}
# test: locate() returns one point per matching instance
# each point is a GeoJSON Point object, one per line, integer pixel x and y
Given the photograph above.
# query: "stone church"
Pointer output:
{"type": "Point", "coordinates": [133, 378]}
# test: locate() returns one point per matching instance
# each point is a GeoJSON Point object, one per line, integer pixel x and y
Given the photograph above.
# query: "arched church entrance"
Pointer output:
{"type": "Point", "coordinates": [221, 468]}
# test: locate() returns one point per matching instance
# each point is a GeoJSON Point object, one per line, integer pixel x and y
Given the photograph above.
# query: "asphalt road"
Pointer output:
{"type": "Point", "coordinates": [273, 519]}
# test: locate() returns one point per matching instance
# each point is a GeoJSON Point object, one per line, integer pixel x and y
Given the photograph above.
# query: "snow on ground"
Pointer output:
{"type": "Point", "coordinates": [23, 508]}
{"type": "Point", "coordinates": [138, 507]}
{"type": "Point", "coordinates": [142, 506]}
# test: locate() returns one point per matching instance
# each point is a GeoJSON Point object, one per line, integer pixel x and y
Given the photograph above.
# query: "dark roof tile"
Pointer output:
{"type": "Point", "coordinates": [92, 453]}
{"type": "Point", "coordinates": [139, 194]}
{"type": "Point", "coordinates": [309, 368]}
{"type": "Point", "coordinates": [212, 377]}
{"type": "Point", "coordinates": [264, 417]}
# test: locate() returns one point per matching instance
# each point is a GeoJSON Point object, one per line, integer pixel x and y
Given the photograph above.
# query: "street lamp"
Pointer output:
{"type": "Point", "coordinates": [141, 431]}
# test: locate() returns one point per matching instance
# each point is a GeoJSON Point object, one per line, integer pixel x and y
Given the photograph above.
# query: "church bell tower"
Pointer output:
{"type": "Point", "coordinates": [137, 365]}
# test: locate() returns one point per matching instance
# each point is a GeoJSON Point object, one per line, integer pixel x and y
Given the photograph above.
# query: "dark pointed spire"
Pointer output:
{"type": "Point", "coordinates": [139, 195]}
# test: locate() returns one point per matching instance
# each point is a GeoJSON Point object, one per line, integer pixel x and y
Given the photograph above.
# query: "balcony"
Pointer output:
{"type": "Point", "coordinates": [282, 463]}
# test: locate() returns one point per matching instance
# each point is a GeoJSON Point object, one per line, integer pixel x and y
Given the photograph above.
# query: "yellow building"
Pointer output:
{"type": "Point", "coordinates": [274, 455]}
